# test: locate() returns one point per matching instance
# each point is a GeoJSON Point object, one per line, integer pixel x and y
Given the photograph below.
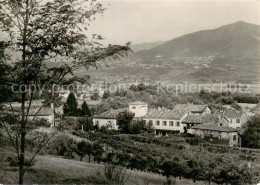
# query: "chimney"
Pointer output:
{"type": "Point", "coordinates": [52, 105]}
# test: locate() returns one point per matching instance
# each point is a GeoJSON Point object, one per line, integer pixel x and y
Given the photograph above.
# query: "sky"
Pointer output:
{"type": "Point", "coordinates": [140, 21]}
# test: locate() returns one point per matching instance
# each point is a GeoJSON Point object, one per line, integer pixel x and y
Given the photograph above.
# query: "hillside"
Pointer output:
{"type": "Point", "coordinates": [145, 46]}
{"type": "Point", "coordinates": [237, 39]}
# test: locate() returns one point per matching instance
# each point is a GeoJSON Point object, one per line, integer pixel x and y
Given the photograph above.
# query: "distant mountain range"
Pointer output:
{"type": "Point", "coordinates": [145, 46]}
{"type": "Point", "coordinates": [237, 39]}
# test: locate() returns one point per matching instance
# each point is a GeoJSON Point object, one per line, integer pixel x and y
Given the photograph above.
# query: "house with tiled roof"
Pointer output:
{"type": "Point", "coordinates": [42, 113]}
{"type": "Point", "coordinates": [195, 119]}
{"type": "Point", "coordinates": [192, 120]}
{"type": "Point", "coordinates": [160, 118]}
{"type": "Point", "coordinates": [236, 118]}
{"type": "Point", "coordinates": [194, 109]}
{"type": "Point", "coordinates": [37, 111]}
{"type": "Point", "coordinates": [108, 118]}
{"type": "Point", "coordinates": [215, 131]}
{"type": "Point", "coordinates": [165, 119]}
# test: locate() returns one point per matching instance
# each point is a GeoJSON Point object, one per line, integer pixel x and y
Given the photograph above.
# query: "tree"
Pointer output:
{"type": "Point", "coordinates": [85, 110]}
{"type": "Point", "coordinates": [251, 135]}
{"type": "Point", "coordinates": [71, 106]}
{"type": "Point", "coordinates": [49, 40]}
{"type": "Point", "coordinates": [97, 151]}
{"type": "Point", "coordinates": [86, 123]}
{"type": "Point", "coordinates": [167, 167]}
{"type": "Point", "coordinates": [83, 148]}
{"type": "Point", "coordinates": [124, 121]}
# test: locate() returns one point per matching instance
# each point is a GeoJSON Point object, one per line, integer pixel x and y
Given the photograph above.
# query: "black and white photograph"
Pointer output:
{"type": "Point", "coordinates": [130, 92]}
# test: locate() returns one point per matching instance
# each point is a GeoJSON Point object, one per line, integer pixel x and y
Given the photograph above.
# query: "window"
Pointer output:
{"type": "Point", "coordinates": [158, 123]}
{"type": "Point", "coordinates": [144, 121]}
{"type": "Point", "coordinates": [220, 124]}
{"type": "Point", "coordinates": [171, 123]}
{"type": "Point", "coordinates": [97, 122]}
{"type": "Point", "coordinates": [151, 122]}
{"type": "Point", "coordinates": [230, 120]}
{"type": "Point", "coordinates": [234, 137]}
{"type": "Point", "coordinates": [133, 107]}
{"type": "Point", "coordinates": [178, 124]}
{"type": "Point", "coordinates": [164, 123]}
{"type": "Point", "coordinates": [220, 137]}
{"type": "Point", "coordinates": [238, 120]}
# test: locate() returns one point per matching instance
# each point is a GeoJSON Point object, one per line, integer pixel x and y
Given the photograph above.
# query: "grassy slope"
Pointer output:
{"type": "Point", "coordinates": [53, 169]}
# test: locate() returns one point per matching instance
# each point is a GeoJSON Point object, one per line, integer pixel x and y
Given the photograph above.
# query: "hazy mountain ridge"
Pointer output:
{"type": "Point", "coordinates": [145, 46]}
{"type": "Point", "coordinates": [237, 39]}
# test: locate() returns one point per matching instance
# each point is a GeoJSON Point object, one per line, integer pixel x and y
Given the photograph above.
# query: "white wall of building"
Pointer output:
{"type": "Point", "coordinates": [49, 118]}
{"type": "Point", "coordinates": [167, 124]}
{"type": "Point", "coordinates": [138, 110]}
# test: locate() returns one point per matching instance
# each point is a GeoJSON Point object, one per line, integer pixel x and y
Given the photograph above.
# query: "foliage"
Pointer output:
{"type": "Point", "coordinates": [115, 175]}
{"type": "Point", "coordinates": [86, 123]}
{"type": "Point", "coordinates": [83, 148]}
{"type": "Point", "coordinates": [147, 153]}
{"type": "Point", "coordinates": [63, 146]}
{"type": "Point", "coordinates": [246, 99]}
{"type": "Point", "coordinates": [85, 110]}
{"type": "Point", "coordinates": [40, 34]}
{"type": "Point", "coordinates": [124, 121]}
{"type": "Point", "coordinates": [13, 162]}
{"type": "Point", "coordinates": [71, 106]}
{"type": "Point", "coordinates": [105, 95]}
{"type": "Point", "coordinates": [138, 127]}
{"type": "Point", "coordinates": [97, 151]}
{"type": "Point", "coordinates": [251, 135]}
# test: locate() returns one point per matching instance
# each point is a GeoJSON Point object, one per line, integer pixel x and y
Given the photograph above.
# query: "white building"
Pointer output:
{"type": "Point", "coordinates": [108, 118]}
{"type": "Point", "coordinates": [138, 108]}
{"type": "Point", "coordinates": [42, 113]}
{"type": "Point", "coordinates": [235, 118]}
{"type": "Point", "coordinates": [165, 119]}
{"type": "Point", "coordinates": [160, 119]}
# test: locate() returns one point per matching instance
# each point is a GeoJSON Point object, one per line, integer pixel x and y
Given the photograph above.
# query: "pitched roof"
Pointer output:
{"type": "Point", "coordinates": [199, 119]}
{"type": "Point", "coordinates": [111, 114]}
{"type": "Point", "coordinates": [34, 111]}
{"type": "Point", "coordinates": [138, 103]}
{"type": "Point", "coordinates": [214, 128]}
{"type": "Point", "coordinates": [164, 114]}
{"type": "Point", "coordinates": [191, 107]}
{"type": "Point", "coordinates": [40, 112]}
{"type": "Point", "coordinates": [232, 113]}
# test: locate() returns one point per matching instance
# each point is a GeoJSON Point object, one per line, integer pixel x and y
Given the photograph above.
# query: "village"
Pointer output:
{"type": "Point", "coordinates": [226, 122]}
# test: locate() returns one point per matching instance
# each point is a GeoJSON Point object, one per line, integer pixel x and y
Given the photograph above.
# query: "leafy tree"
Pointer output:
{"type": "Point", "coordinates": [86, 123]}
{"type": "Point", "coordinates": [97, 151]}
{"type": "Point", "coordinates": [137, 127]}
{"type": "Point", "coordinates": [49, 40]}
{"type": "Point", "coordinates": [251, 135]}
{"type": "Point", "coordinates": [124, 121]}
{"type": "Point", "coordinates": [167, 167]}
{"type": "Point", "coordinates": [83, 148]}
{"type": "Point", "coordinates": [85, 110]}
